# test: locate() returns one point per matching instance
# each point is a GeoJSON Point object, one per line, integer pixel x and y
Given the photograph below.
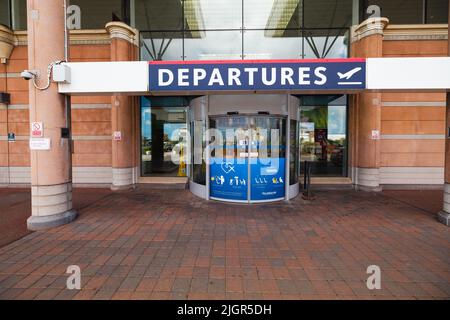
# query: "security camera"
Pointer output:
{"type": "Point", "coordinates": [28, 74]}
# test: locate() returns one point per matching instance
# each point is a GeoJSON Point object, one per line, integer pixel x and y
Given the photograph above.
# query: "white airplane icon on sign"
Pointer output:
{"type": "Point", "coordinates": [348, 75]}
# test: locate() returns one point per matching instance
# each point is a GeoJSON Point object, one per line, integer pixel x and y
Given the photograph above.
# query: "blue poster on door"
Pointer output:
{"type": "Point", "coordinates": [267, 179]}
{"type": "Point", "coordinates": [229, 180]}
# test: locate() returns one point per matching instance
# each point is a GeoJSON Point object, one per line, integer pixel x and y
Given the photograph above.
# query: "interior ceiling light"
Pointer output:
{"type": "Point", "coordinates": [281, 14]}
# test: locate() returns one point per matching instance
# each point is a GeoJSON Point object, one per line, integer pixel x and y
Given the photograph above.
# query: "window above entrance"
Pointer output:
{"type": "Point", "coordinates": [243, 29]}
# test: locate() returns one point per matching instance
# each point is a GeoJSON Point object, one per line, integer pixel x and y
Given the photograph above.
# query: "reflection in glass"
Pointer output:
{"type": "Point", "coordinates": [249, 163]}
{"type": "Point", "coordinates": [272, 14]}
{"type": "Point", "coordinates": [234, 132]}
{"type": "Point", "coordinates": [255, 29]}
{"type": "Point", "coordinates": [4, 13]}
{"type": "Point", "coordinates": [213, 45]}
{"type": "Point", "coordinates": [212, 14]}
{"type": "Point", "coordinates": [198, 131]}
{"type": "Point", "coordinates": [327, 13]}
{"type": "Point", "coordinates": [156, 46]}
{"type": "Point", "coordinates": [437, 11]}
{"type": "Point", "coordinates": [268, 139]}
{"type": "Point", "coordinates": [159, 15]}
{"type": "Point", "coordinates": [323, 134]}
{"type": "Point", "coordinates": [163, 131]}
{"type": "Point", "coordinates": [400, 12]}
{"type": "Point", "coordinates": [320, 44]}
{"type": "Point", "coordinates": [19, 14]}
{"type": "Point", "coordinates": [264, 44]}
{"type": "Point", "coordinates": [96, 14]}
{"type": "Point", "coordinates": [293, 153]}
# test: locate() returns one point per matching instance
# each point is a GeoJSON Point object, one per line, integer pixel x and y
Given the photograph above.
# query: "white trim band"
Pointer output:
{"type": "Point", "coordinates": [414, 104]}
{"type": "Point", "coordinates": [78, 106]}
{"type": "Point", "coordinates": [91, 138]}
{"type": "Point", "coordinates": [412, 137]}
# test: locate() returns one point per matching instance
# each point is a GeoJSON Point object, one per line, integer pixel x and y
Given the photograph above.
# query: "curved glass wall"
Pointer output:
{"type": "Point", "coordinates": [198, 145]}
{"type": "Point", "coordinates": [293, 152]}
{"type": "Point", "coordinates": [248, 158]}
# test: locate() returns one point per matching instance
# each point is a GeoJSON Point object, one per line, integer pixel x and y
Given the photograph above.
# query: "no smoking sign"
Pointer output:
{"type": "Point", "coordinates": [37, 130]}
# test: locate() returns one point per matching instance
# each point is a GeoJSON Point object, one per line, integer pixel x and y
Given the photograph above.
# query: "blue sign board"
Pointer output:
{"type": "Point", "coordinates": [250, 75]}
{"type": "Point", "coordinates": [267, 179]}
{"type": "Point", "coordinates": [229, 180]}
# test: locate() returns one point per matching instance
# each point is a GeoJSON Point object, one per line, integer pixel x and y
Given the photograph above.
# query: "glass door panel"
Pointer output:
{"type": "Point", "coordinates": [248, 158]}
{"type": "Point", "coordinates": [163, 139]}
{"type": "Point", "coordinates": [267, 159]}
{"type": "Point", "coordinates": [229, 160]}
{"type": "Point", "coordinates": [323, 134]}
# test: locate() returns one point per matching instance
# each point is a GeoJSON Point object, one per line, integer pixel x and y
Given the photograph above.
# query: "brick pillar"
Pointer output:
{"type": "Point", "coordinates": [444, 215]}
{"type": "Point", "coordinates": [6, 47]}
{"type": "Point", "coordinates": [124, 169]}
{"type": "Point", "coordinates": [51, 170]}
{"type": "Point", "coordinates": [367, 42]}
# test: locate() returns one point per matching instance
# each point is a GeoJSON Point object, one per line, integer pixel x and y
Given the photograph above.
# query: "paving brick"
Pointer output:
{"type": "Point", "coordinates": [302, 250]}
{"type": "Point", "coordinates": [86, 294]}
{"type": "Point", "coordinates": [199, 285]}
{"type": "Point", "coordinates": [12, 293]}
{"type": "Point", "coordinates": [104, 294]}
{"type": "Point", "coordinates": [130, 283]}
{"type": "Point", "coordinates": [28, 294]}
{"type": "Point", "coordinates": [216, 286]}
{"type": "Point", "coordinates": [181, 285]}
{"type": "Point", "coordinates": [146, 284]}
{"type": "Point", "coordinates": [164, 284]}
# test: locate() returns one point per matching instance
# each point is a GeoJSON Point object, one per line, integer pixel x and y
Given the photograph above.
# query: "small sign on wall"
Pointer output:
{"type": "Point", "coordinates": [117, 135]}
{"type": "Point", "coordinates": [37, 130]}
{"type": "Point", "coordinates": [11, 137]}
{"type": "Point", "coordinates": [40, 144]}
{"type": "Point", "coordinates": [375, 134]}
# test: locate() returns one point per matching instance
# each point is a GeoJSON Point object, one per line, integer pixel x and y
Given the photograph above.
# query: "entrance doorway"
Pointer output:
{"type": "Point", "coordinates": [323, 134]}
{"type": "Point", "coordinates": [248, 160]}
{"type": "Point", "coordinates": [163, 132]}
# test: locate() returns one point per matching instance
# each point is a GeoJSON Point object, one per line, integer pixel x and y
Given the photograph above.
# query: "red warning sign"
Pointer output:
{"type": "Point", "coordinates": [37, 130]}
{"type": "Point", "coordinates": [117, 135]}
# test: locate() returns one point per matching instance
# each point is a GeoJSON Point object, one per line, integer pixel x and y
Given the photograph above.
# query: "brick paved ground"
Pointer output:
{"type": "Point", "coordinates": [428, 200]}
{"type": "Point", "coordinates": [153, 244]}
{"type": "Point", "coordinates": [15, 208]}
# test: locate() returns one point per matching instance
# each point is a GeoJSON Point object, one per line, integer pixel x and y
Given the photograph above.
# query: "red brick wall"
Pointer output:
{"type": "Point", "coordinates": [91, 115]}
{"type": "Point", "coordinates": [409, 117]}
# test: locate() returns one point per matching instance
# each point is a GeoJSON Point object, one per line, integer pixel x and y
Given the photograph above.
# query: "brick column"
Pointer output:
{"type": "Point", "coordinates": [367, 42]}
{"type": "Point", "coordinates": [51, 170]}
{"type": "Point", "coordinates": [444, 215]}
{"type": "Point", "coordinates": [123, 48]}
{"type": "Point", "coordinates": [6, 47]}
